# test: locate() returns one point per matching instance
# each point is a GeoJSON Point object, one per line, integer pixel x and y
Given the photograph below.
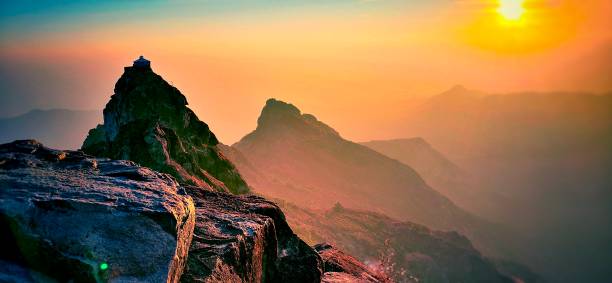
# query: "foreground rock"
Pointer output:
{"type": "Point", "coordinates": [70, 217]}
{"type": "Point", "coordinates": [340, 267]}
{"type": "Point", "coordinates": [246, 239]}
{"type": "Point", "coordinates": [67, 216]}
{"type": "Point", "coordinates": [147, 121]}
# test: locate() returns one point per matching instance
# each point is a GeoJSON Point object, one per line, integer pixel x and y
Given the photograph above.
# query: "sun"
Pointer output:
{"type": "Point", "coordinates": [511, 9]}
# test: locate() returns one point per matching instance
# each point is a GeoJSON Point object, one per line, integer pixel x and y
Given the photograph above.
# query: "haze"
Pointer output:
{"type": "Point", "coordinates": [334, 58]}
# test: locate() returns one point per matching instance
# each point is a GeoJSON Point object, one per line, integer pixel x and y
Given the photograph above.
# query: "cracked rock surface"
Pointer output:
{"type": "Point", "coordinates": [68, 216]}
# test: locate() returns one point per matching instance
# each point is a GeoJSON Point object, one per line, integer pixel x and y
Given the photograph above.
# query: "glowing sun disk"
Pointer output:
{"type": "Point", "coordinates": [511, 9]}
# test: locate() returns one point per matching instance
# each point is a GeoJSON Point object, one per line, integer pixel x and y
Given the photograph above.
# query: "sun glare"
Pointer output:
{"type": "Point", "coordinates": [511, 9]}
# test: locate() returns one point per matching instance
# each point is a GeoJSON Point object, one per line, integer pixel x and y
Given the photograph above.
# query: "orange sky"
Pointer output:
{"type": "Point", "coordinates": [353, 64]}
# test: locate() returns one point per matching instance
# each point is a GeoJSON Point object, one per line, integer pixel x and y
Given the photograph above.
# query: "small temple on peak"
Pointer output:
{"type": "Point", "coordinates": [141, 62]}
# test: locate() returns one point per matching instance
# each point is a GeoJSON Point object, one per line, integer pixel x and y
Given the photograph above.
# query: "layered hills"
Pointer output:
{"type": "Point", "coordinates": [441, 173]}
{"type": "Point", "coordinates": [420, 155]}
{"type": "Point", "coordinates": [543, 159]}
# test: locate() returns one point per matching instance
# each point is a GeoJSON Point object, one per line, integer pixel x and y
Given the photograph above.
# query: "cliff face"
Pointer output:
{"type": "Point", "coordinates": [246, 239]}
{"type": "Point", "coordinates": [147, 121]}
{"type": "Point", "coordinates": [68, 216]}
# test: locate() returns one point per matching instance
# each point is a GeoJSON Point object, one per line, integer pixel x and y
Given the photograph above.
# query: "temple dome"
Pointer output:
{"type": "Point", "coordinates": [141, 62]}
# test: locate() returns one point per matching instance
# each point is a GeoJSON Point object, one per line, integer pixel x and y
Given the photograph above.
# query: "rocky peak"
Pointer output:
{"type": "Point", "coordinates": [276, 109]}
{"type": "Point", "coordinates": [147, 121]}
{"type": "Point", "coordinates": [141, 94]}
{"type": "Point", "coordinates": [281, 118]}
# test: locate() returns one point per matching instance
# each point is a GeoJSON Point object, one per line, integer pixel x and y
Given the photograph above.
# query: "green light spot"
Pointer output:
{"type": "Point", "coordinates": [103, 266]}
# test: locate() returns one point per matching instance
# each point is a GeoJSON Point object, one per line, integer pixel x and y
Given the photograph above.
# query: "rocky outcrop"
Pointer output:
{"type": "Point", "coordinates": [65, 215]}
{"type": "Point", "coordinates": [147, 121]}
{"type": "Point", "coordinates": [246, 239]}
{"type": "Point", "coordinates": [70, 217]}
{"type": "Point", "coordinates": [340, 267]}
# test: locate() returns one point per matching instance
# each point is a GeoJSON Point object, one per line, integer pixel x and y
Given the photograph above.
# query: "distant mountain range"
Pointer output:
{"type": "Point", "coordinates": [467, 124]}
{"type": "Point", "coordinates": [60, 128]}
{"type": "Point", "coordinates": [543, 159]}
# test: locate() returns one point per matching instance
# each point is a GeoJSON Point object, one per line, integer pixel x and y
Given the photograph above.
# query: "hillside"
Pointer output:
{"type": "Point", "coordinates": [406, 250]}
{"type": "Point", "coordinates": [439, 172]}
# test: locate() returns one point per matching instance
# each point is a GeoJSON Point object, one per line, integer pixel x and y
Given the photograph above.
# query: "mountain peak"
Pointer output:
{"type": "Point", "coordinates": [147, 120]}
{"type": "Point", "coordinates": [458, 88]}
{"type": "Point", "coordinates": [274, 104]}
{"type": "Point", "coordinates": [276, 109]}
{"type": "Point", "coordinates": [279, 117]}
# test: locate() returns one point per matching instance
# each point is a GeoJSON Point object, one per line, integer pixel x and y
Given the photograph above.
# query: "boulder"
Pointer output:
{"type": "Point", "coordinates": [70, 217]}
{"type": "Point", "coordinates": [245, 239]}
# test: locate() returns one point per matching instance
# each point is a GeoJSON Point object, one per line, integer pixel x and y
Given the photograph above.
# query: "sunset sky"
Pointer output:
{"type": "Point", "coordinates": [354, 64]}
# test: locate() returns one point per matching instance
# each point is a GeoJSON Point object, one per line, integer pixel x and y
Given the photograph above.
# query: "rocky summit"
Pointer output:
{"type": "Point", "coordinates": [147, 121]}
